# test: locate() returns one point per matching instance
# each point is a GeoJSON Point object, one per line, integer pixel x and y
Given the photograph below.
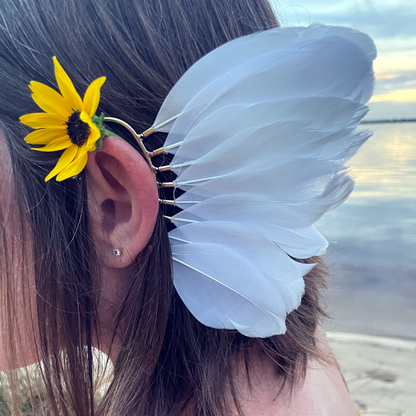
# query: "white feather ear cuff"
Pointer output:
{"type": "Point", "coordinates": [260, 130]}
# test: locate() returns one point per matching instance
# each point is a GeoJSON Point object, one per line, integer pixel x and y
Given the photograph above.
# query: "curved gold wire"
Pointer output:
{"type": "Point", "coordinates": [139, 138]}
{"type": "Point", "coordinates": [148, 155]}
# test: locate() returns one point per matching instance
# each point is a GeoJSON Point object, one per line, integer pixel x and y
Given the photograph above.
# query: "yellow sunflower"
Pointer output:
{"type": "Point", "coordinates": [67, 123]}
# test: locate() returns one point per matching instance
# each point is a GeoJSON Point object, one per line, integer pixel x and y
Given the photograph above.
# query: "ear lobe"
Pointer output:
{"type": "Point", "coordinates": [123, 201]}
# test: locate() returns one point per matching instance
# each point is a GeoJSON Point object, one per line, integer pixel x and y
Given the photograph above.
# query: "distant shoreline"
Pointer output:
{"type": "Point", "coordinates": [408, 120]}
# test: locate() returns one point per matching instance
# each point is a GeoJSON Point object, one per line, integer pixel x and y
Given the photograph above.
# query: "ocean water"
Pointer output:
{"type": "Point", "coordinates": [372, 252]}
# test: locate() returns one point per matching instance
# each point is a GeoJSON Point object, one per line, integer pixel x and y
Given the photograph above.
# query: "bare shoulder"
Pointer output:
{"type": "Point", "coordinates": [322, 394]}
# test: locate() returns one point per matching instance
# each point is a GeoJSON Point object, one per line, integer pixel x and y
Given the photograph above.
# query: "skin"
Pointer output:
{"type": "Point", "coordinates": [24, 335]}
{"type": "Point", "coordinates": [323, 392]}
{"type": "Point", "coordinates": [118, 177]}
{"type": "Point", "coordinates": [118, 173]}
{"type": "Point", "coordinates": [130, 187]}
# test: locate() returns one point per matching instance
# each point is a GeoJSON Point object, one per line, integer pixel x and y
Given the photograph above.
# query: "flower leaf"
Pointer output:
{"type": "Point", "coordinates": [98, 121]}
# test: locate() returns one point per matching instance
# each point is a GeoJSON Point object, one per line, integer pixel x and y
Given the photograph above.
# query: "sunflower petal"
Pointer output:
{"type": "Point", "coordinates": [45, 136]}
{"type": "Point", "coordinates": [54, 146]}
{"type": "Point", "coordinates": [75, 167]}
{"type": "Point", "coordinates": [94, 131]}
{"type": "Point", "coordinates": [92, 96]}
{"type": "Point", "coordinates": [49, 100]}
{"type": "Point", "coordinates": [43, 120]}
{"type": "Point", "coordinates": [67, 87]}
{"type": "Point", "coordinates": [66, 158]}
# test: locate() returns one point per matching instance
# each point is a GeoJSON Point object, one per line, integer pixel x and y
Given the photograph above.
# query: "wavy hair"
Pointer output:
{"type": "Point", "coordinates": [168, 360]}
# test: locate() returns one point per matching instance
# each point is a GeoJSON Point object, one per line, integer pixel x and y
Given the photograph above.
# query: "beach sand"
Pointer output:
{"type": "Point", "coordinates": [380, 372]}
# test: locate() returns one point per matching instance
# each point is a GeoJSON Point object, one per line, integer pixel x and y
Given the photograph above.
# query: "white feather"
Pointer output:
{"type": "Point", "coordinates": [300, 73]}
{"type": "Point", "coordinates": [261, 129]}
{"type": "Point", "coordinates": [272, 144]}
{"type": "Point", "coordinates": [320, 114]}
{"type": "Point", "coordinates": [273, 220]}
{"type": "Point", "coordinates": [238, 52]}
{"type": "Point", "coordinates": [254, 285]}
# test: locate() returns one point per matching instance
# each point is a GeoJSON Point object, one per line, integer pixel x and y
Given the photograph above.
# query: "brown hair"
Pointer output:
{"type": "Point", "coordinates": [168, 359]}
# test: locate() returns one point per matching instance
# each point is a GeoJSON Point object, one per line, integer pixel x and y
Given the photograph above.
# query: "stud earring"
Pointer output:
{"type": "Point", "coordinates": [118, 252]}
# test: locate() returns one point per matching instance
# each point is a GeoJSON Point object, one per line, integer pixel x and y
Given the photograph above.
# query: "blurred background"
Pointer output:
{"type": "Point", "coordinates": [372, 252]}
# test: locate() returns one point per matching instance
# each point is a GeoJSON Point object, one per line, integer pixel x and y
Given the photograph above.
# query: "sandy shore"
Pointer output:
{"type": "Point", "coordinates": [380, 372]}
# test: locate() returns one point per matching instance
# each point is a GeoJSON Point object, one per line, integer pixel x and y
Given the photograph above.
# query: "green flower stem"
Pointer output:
{"type": "Point", "coordinates": [98, 121]}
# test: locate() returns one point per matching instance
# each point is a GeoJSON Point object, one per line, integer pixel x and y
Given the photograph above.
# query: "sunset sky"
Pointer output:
{"type": "Point", "coordinates": [391, 24]}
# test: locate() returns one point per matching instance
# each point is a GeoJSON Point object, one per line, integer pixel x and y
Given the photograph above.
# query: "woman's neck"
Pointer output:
{"type": "Point", "coordinates": [322, 393]}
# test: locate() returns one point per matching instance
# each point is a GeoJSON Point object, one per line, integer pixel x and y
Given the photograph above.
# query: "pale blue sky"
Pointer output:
{"type": "Point", "coordinates": [391, 24]}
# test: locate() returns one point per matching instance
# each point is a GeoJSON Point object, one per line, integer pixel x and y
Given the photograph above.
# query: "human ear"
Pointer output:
{"type": "Point", "coordinates": [122, 200]}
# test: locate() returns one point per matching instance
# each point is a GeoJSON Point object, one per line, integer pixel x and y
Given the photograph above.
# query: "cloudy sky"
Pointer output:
{"type": "Point", "coordinates": [391, 24]}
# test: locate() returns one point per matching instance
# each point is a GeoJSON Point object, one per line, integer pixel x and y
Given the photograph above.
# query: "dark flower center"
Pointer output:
{"type": "Point", "coordinates": [77, 130]}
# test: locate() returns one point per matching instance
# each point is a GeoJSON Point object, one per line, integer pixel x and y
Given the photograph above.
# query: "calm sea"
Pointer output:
{"type": "Point", "coordinates": [372, 252]}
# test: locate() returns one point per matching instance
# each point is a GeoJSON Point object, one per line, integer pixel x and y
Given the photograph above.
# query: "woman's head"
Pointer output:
{"type": "Point", "coordinates": [60, 285]}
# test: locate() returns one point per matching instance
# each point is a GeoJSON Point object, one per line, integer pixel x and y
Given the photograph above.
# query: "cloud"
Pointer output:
{"type": "Point", "coordinates": [395, 81]}
{"type": "Point", "coordinates": [397, 95]}
{"type": "Point", "coordinates": [389, 110]}
{"type": "Point", "coordinates": [381, 20]}
{"type": "Point", "coordinates": [391, 81]}
{"type": "Point", "coordinates": [396, 44]}
{"type": "Point", "coordinates": [395, 70]}
{"type": "Point", "coordinates": [391, 24]}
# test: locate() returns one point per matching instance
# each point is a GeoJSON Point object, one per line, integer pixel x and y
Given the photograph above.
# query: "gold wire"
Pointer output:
{"type": "Point", "coordinates": [163, 168]}
{"type": "Point", "coordinates": [157, 152]}
{"type": "Point", "coordinates": [148, 132]}
{"type": "Point", "coordinates": [139, 139]}
{"type": "Point", "coordinates": [148, 155]}
{"type": "Point", "coordinates": [167, 184]}
{"type": "Point", "coordinates": [167, 202]}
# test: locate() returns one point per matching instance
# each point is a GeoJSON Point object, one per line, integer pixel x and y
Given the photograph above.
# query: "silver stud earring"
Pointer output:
{"type": "Point", "coordinates": [118, 252]}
